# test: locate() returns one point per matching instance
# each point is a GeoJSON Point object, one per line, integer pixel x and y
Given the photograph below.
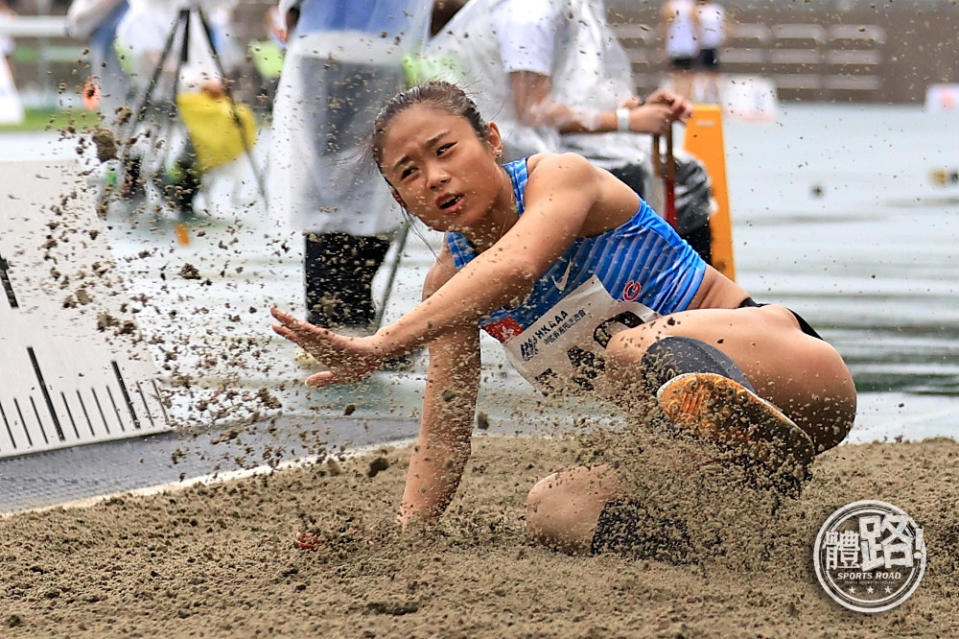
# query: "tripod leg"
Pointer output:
{"type": "Point", "coordinates": [404, 232]}
{"type": "Point", "coordinates": [179, 181]}
{"type": "Point", "coordinates": [207, 32]}
{"type": "Point", "coordinates": [182, 19]}
{"type": "Point", "coordinates": [140, 114]}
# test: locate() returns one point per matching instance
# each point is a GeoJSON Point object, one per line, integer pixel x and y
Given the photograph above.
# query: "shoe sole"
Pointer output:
{"type": "Point", "coordinates": [716, 408]}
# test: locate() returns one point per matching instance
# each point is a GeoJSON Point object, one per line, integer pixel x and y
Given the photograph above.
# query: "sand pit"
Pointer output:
{"type": "Point", "coordinates": [221, 560]}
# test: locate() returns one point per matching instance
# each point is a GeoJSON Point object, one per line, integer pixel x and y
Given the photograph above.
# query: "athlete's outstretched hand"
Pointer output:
{"type": "Point", "coordinates": [347, 359]}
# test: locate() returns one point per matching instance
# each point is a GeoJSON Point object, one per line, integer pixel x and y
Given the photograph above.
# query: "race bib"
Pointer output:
{"type": "Point", "coordinates": [564, 350]}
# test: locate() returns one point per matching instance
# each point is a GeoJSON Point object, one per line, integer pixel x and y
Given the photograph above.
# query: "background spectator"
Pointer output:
{"type": "Point", "coordinates": [712, 34]}
{"type": "Point", "coordinates": [553, 83]}
{"type": "Point", "coordinates": [96, 21]}
{"type": "Point", "coordinates": [680, 37]}
{"type": "Point", "coordinates": [343, 61]}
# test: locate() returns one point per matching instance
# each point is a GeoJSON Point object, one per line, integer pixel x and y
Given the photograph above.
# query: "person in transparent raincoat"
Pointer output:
{"type": "Point", "coordinates": [343, 60]}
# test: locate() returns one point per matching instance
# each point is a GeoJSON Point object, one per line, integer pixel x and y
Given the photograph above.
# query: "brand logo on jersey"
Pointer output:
{"type": "Point", "coordinates": [631, 290]}
{"type": "Point", "coordinates": [561, 283]}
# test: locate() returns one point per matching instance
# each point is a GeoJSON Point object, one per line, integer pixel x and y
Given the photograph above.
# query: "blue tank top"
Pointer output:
{"type": "Point", "coordinates": [628, 275]}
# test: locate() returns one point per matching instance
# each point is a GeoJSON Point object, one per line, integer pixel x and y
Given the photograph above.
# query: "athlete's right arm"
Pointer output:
{"type": "Point", "coordinates": [449, 403]}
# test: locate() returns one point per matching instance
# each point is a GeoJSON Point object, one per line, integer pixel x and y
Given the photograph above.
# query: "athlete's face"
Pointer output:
{"type": "Point", "coordinates": [442, 172]}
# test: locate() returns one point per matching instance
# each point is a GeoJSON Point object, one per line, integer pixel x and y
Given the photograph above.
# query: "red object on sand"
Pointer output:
{"type": "Point", "coordinates": [307, 541]}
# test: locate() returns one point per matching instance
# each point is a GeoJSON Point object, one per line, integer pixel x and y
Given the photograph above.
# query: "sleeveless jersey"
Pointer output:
{"type": "Point", "coordinates": [556, 337]}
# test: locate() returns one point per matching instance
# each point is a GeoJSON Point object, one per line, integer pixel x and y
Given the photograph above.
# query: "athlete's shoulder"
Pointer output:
{"type": "Point", "coordinates": [556, 164]}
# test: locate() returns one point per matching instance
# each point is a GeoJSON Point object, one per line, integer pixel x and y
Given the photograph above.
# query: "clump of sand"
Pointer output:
{"type": "Point", "coordinates": [223, 560]}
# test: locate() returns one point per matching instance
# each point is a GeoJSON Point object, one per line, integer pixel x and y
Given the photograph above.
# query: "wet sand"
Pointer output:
{"type": "Point", "coordinates": [221, 560]}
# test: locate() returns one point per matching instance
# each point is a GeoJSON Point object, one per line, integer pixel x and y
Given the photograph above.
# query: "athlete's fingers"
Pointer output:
{"type": "Point", "coordinates": [301, 337]}
{"type": "Point", "coordinates": [299, 326]}
{"type": "Point", "coordinates": [296, 324]}
{"type": "Point", "coordinates": [299, 331]}
{"type": "Point", "coordinates": [282, 316]}
{"type": "Point", "coordinates": [283, 331]}
{"type": "Point", "coordinates": [308, 341]}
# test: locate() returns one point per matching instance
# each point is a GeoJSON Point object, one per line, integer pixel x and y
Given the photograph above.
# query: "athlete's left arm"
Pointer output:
{"type": "Point", "coordinates": [560, 194]}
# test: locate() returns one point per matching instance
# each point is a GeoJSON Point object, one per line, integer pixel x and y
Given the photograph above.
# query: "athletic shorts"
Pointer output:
{"type": "Point", "coordinates": [682, 64]}
{"type": "Point", "coordinates": [709, 59]}
{"type": "Point", "coordinates": [803, 324]}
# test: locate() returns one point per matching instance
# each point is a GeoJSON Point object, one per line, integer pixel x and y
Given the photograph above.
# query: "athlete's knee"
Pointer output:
{"type": "Point", "coordinates": [832, 421]}
{"type": "Point", "coordinates": [544, 511]}
{"type": "Point", "coordinates": [825, 406]}
{"type": "Point", "coordinates": [562, 509]}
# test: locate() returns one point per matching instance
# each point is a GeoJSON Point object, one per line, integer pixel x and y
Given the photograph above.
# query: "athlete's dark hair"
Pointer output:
{"type": "Point", "coordinates": [443, 95]}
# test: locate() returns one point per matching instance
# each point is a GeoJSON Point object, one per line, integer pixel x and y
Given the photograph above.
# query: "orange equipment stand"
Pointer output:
{"type": "Point", "coordinates": [704, 139]}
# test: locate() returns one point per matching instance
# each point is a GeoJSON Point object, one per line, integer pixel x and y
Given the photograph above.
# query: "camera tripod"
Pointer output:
{"type": "Point", "coordinates": [182, 26]}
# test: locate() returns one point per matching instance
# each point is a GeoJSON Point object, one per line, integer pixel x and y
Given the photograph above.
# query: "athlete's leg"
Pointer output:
{"type": "Point", "coordinates": [562, 509]}
{"type": "Point", "coordinates": [802, 375]}
{"type": "Point", "coordinates": [584, 510]}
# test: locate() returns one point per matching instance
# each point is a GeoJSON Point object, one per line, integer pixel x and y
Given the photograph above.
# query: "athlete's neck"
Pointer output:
{"type": "Point", "coordinates": [499, 218]}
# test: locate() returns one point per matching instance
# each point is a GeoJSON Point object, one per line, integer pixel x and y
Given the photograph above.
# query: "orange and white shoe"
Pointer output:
{"type": "Point", "coordinates": [719, 409]}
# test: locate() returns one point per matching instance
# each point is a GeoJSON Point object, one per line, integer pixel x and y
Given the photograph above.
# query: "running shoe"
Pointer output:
{"type": "Point", "coordinates": [719, 409]}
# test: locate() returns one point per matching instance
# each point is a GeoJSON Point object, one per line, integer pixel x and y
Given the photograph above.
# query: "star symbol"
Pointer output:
{"type": "Point", "coordinates": [888, 590]}
{"type": "Point", "coordinates": [870, 590]}
{"type": "Point", "coordinates": [852, 590]}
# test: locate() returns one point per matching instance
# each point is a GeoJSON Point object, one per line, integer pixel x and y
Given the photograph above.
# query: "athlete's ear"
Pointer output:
{"type": "Point", "coordinates": [494, 140]}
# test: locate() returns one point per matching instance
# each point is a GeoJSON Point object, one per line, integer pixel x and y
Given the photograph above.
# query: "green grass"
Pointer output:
{"type": "Point", "coordinates": [53, 120]}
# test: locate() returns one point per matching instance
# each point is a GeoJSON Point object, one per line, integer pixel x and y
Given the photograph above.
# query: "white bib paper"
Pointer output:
{"type": "Point", "coordinates": [565, 348]}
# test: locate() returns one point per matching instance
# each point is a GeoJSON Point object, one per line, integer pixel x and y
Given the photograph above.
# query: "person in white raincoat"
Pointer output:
{"type": "Point", "coordinates": [344, 60]}
{"type": "Point", "coordinates": [554, 77]}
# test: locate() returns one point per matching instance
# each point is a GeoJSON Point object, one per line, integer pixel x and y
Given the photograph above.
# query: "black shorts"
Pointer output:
{"type": "Point", "coordinates": [803, 324]}
{"type": "Point", "coordinates": [709, 59]}
{"type": "Point", "coordinates": [682, 64]}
